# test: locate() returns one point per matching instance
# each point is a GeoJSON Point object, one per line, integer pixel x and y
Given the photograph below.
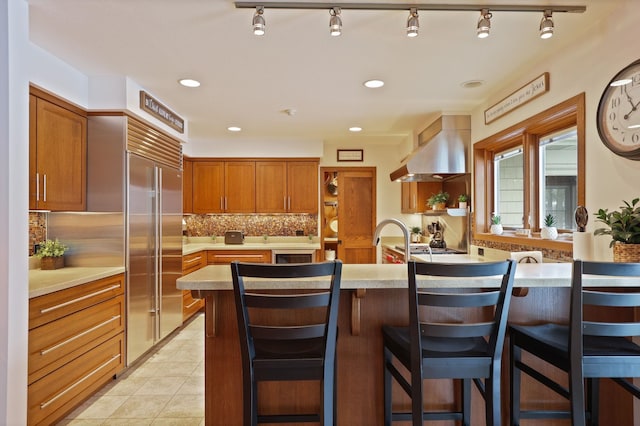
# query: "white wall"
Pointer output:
{"type": "Point", "coordinates": [242, 147]}
{"type": "Point", "coordinates": [14, 190]}
{"type": "Point", "coordinates": [587, 67]}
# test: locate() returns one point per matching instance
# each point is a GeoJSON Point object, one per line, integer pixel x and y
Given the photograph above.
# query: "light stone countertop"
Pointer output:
{"type": "Point", "coordinates": [196, 244]}
{"type": "Point", "coordinates": [45, 282]}
{"type": "Point", "coordinates": [390, 276]}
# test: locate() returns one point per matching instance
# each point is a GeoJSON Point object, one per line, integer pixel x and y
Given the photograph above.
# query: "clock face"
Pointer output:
{"type": "Point", "coordinates": [619, 113]}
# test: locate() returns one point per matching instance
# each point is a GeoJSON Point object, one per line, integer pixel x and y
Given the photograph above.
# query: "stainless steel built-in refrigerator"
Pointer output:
{"type": "Point", "coordinates": [154, 260]}
{"type": "Point", "coordinates": [135, 170]}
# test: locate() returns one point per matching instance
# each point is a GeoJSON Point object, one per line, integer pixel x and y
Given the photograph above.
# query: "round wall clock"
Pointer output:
{"type": "Point", "coordinates": [618, 117]}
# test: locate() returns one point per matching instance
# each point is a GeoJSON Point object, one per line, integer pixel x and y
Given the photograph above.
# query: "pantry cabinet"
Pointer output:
{"type": "Point", "coordinates": [57, 154]}
{"type": "Point", "coordinates": [287, 187]}
{"type": "Point", "coordinates": [224, 187]}
{"type": "Point", "coordinates": [76, 345]}
{"type": "Point", "coordinates": [191, 263]}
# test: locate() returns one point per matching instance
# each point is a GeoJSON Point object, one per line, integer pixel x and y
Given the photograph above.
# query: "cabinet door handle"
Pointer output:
{"type": "Point", "coordinates": [284, 202]}
{"type": "Point", "coordinates": [77, 336]}
{"type": "Point", "coordinates": [289, 205]}
{"type": "Point", "coordinates": [73, 385]}
{"type": "Point", "coordinates": [44, 185]}
{"type": "Point", "coordinates": [78, 299]}
{"type": "Point", "coordinates": [195, 259]}
{"type": "Point", "coordinates": [37, 186]}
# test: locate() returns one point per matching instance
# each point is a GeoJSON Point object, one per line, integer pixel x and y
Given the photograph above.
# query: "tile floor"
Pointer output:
{"type": "Point", "coordinates": [165, 388]}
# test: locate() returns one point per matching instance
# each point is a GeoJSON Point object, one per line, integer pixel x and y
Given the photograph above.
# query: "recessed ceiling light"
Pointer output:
{"type": "Point", "coordinates": [472, 83]}
{"type": "Point", "coordinates": [234, 128]}
{"type": "Point", "coordinates": [355, 129]}
{"type": "Point", "coordinates": [374, 84]}
{"type": "Point", "coordinates": [189, 82]}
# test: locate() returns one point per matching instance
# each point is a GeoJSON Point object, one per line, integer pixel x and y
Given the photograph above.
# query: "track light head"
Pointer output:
{"type": "Point", "coordinates": [258, 21]}
{"type": "Point", "coordinates": [484, 24]}
{"type": "Point", "coordinates": [546, 25]}
{"type": "Point", "coordinates": [335, 23]}
{"type": "Point", "coordinates": [413, 24]}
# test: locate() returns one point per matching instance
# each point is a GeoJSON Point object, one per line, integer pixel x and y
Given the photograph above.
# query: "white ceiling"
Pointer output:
{"type": "Point", "coordinates": [248, 81]}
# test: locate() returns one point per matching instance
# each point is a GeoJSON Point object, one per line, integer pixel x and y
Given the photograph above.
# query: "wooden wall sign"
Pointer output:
{"type": "Point", "coordinates": [526, 93]}
{"type": "Point", "coordinates": [161, 112]}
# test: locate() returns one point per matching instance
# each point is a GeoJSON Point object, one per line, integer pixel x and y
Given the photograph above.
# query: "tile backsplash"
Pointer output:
{"type": "Point", "coordinates": [251, 224]}
{"type": "Point", "coordinates": [37, 229]}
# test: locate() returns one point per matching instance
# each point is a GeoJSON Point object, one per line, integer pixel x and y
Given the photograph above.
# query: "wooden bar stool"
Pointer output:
{"type": "Point", "coordinates": [450, 348]}
{"type": "Point", "coordinates": [585, 349]}
{"type": "Point", "coordinates": [304, 348]}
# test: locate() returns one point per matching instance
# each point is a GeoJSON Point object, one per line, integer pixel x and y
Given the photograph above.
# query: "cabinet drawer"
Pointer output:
{"type": "Point", "coordinates": [222, 257]}
{"type": "Point", "coordinates": [56, 343]}
{"type": "Point", "coordinates": [47, 308]}
{"type": "Point", "coordinates": [51, 397]}
{"type": "Point", "coordinates": [194, 261]}
{"type": "Point", "coordinates": [190, 305]}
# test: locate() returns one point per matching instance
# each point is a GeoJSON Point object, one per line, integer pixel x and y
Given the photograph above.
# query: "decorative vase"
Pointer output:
{"type": "Point", "coordinates": [626, 253]}
{"type": "Point", "coordinates": [549, 233]}
{"type": "Point", "coordinates": [50, 263]}
{"type": "Point", "coordinates": [496, 229]}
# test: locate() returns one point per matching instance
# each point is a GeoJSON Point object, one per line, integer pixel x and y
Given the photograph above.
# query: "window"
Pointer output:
{"type": "Point", "coordinates": [532, 169]}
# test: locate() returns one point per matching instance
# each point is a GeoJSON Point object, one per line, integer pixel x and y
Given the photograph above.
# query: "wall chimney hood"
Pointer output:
{"type": "Point", "coordinates": [443, 151]}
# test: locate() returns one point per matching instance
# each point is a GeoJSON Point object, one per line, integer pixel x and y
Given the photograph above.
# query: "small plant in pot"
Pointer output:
{"type": "Point", "coordinates": [549, 231]}
{"type": "Point", "coordinates": [51, 254]}
{"type": "Point", "coordinates": [438, 201]}
{"type": "Point", "coordinates": [624, 228]}
{"type": "Point", "coordinates": [416, 234]}
{"type": "Point", "coordinates": [462, 201]}
{"type": "Point", "coordinates": [496, 225]}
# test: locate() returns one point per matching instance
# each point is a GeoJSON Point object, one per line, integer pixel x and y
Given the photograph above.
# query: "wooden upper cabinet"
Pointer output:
{"type": "Point", "coordinates": [57, 157]}
{"type": "Point", "coordinates": [187, 185]}
{"type": "Point", "coordinates": [271, 186]}
{"type": "Point", "coordinates": [240, 186]}
{"type": "Point", "coordinates": [302, 186]}
{"type": "Point", "coordinates": [208, 186]}
{"type": "Point", "coordinates": [416, 194]}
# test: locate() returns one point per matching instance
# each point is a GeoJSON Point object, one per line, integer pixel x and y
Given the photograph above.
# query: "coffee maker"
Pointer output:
{"type": "Point", "coordinates": [437, 239]}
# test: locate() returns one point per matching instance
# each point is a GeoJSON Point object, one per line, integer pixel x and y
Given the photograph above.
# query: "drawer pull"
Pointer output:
{"type": "Point", "coordinates": [59, 395]}
{"type": "Point", "coordinates": [77, 336]}
{"type": "Point", "coordinates": [195, 302]}
{"type": "Point", "coordinates": [195, 259]}
{"type": "Point", "coordinates": [239, 256]}
{"type": "Point", "coordinates": [70, 302]}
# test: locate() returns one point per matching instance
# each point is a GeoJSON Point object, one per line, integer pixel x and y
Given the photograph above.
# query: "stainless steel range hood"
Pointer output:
{"type": "Point", "coordinates": [443, 151]}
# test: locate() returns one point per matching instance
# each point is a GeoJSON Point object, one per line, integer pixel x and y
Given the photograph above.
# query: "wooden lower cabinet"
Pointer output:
{"type": "Point", "coordinates": [76, 346]}
{"type": "Point", "coordinates": [191, 263]}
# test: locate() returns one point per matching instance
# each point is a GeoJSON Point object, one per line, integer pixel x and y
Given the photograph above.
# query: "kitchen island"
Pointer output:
{"type": "Point", "coordinates": [373, 295]}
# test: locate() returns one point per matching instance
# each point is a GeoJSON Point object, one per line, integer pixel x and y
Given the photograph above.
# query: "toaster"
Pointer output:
{"type": "Point", "coordinates": [233, 237]}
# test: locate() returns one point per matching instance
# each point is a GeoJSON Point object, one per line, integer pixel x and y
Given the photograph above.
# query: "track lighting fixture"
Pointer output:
{"type": "Point", "coordinates": [335, 23]}
{"type": "Point", "coordinates": [484, 24]}
{"type": "Point", "coordinates": [258, 21]}
{"type": "Point", "coordinates": [413, 25]}
{"type": "Point", "coordinates": [546, 25]}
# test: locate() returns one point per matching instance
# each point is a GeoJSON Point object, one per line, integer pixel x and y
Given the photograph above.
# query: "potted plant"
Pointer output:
{"type": "Point", "coordinates": [51, 254]}
{"type": "Point", "coordinates": [416, 234]}
{"type": "Point", "coordinates": [438, 201]}
{"type": "Point", "coordinates": [496, 225]}
{"type": "Point", "coordinates": [549, 231]}
{"type": "Point", "coordinates": [462, 201]}
{"type": "Point", "coordinates": [624, 228]}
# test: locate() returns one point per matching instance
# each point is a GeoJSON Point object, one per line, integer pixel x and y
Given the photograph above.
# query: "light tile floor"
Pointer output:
{"type": "Point", "coordinates": [165, 388]}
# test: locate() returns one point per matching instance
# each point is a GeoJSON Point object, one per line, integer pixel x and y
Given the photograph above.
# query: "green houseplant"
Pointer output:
{"type": "Point", "coordinates": [51, 254]}
{"type": "Point", "coordinates": [549, 231]}
{"type": "Point", "coordinates": [416, 233]}
{"type": "Point", "coordinates": [438, 201]}
{"type": "Point", "coordinates": [462, 201]}
{"type": "Point", "coordinates": [624, 228]}
{"type": "Point", "coordinates": [496, 225]}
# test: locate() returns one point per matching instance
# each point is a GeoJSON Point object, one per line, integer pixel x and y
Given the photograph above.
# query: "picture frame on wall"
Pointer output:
{"type": "Point", "coordinates": [350, 155]}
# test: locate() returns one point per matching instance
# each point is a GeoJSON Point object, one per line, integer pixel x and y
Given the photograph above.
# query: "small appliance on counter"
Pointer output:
{"type": "Point", "coordinates": [233, 237]}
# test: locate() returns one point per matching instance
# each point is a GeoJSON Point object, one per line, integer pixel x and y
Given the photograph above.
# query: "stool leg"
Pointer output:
{"type": "Point", "coordinates": [387, 388]}
{"type": "Point", "coordinates": [593, 399]}
{"type": "Point", "coordinates": [514, 388]}
{"type": "Point", "coordinates": [492, 397]}
{"type": "Point", "coordinates": [465, 395]}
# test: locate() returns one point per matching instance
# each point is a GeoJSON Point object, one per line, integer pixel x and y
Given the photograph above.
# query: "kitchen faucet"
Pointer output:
{"type": "Point", "coordinates": [405, 233]}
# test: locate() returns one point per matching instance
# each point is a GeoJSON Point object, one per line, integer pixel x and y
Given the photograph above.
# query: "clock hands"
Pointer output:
{"type": "Point", "coordinates": [633, 107]}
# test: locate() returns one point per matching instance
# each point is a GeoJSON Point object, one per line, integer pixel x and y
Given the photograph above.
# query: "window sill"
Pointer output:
{"type": "Point", "coordinates": [564, 241]}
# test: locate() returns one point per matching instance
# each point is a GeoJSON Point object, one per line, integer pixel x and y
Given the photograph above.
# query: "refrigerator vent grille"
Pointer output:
{"type": "Point", "coordinates": [150, 143]}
